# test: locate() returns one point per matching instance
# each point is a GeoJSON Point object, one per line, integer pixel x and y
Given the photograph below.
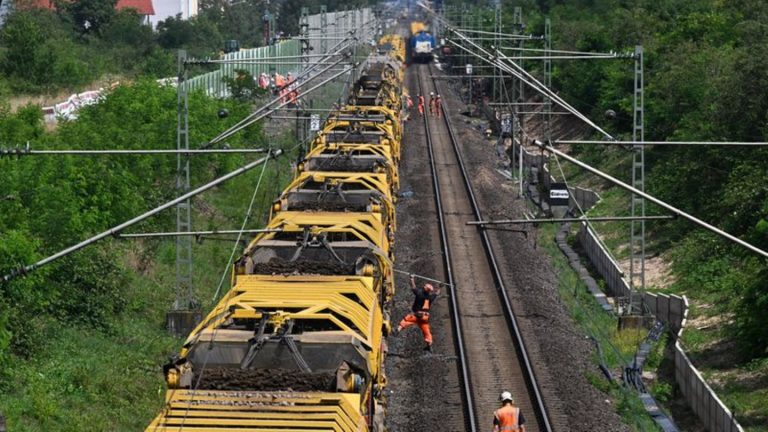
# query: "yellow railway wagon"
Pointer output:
{"type": "Point", "coordinates": [315, 191]}
{"type": "Point", "coordinates": [298, 342]}
{"type": "Point", "coordinates": [355, 131]}
{"type": "Point", "coordinates": [339, 156]}
{"type": "Point", "coordinates": [417, 27]}
{"type": "Point", "coordinates": [394, 46]}
{"type": "Point", "coordinates": [321, 329]}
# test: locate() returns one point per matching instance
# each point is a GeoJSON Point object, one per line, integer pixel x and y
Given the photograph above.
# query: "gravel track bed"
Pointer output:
{"type": "Point", "coordinates": [424, 388]}
{"type": "Point", "coordinates": [560, 353]}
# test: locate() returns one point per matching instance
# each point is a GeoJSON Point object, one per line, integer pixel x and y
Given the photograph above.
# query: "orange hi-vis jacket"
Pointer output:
{"type": "Point", "coordinates": [507, 417]}
{"type": "Point", "coordinates": [279, 81]}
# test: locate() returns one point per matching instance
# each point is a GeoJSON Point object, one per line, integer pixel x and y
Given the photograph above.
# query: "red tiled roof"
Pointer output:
{"type": "Point", "coordinates": [143, 7]}
{"type": "Point", "coordinates": [42, 4]}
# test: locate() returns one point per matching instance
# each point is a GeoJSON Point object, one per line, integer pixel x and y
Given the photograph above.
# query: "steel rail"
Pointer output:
{"type": "Point", "coordinates": [469, 405]}
{"type": "Point", "coordinates": [196, 233]}
{"type": "Point", "coordinates": [507, 305]}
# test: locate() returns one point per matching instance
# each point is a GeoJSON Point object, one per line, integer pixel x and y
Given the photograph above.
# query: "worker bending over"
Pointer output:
{"type": "Point", "coordinates": [424, 298]}
{"type": "Point", "coordinates": [508, 417]}
{"type": "Point", "coordinates": [421, 105]}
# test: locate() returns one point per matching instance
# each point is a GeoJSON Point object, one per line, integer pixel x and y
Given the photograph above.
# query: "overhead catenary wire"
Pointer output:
{"type": "Point", "coordinates": [269, 106]}
{"type": "Point", "coordinates": [520, 73]}
{"type": "Point", "coordinates": [195, 233]}
{"type": "Point", "coordinates": [503, 35]}
{"type": "Point", "coordinates": [553, 51]}
{"type": "Point", "coordinates": [568, 57]}
{"type": "Point", "coordinates": [673, 143]}
{"type": "Point", "coordinates": [246, 218]}
{"type": "Point", "coordinates": [265, 110]}
{"type": "Point", "coordinates": [538, 86]}
{"type": "Point", "coordinates": [27, 151]}
{"type": "Point", "coordinates": [115, 230]}
{"type": "Point", "coordinates": [525, 77]}
{"type": "Point", "coordinates": [653, 199]}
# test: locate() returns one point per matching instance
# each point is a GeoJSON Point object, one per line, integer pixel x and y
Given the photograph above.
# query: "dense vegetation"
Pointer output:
{"type": "Point", "coordinates": [44, 51]}
{"type": "Point", "coordinates": [705, 77]}
{"type": "Point", "coordinates": [82, 338]}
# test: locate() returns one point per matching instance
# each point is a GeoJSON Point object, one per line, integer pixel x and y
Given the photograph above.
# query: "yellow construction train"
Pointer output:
{"type": "Point", "coordinates": [298, 342]}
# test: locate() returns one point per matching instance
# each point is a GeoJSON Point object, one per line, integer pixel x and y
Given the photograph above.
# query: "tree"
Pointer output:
{"type": "Point", "coordinates": [22, 37]}
{"type": "Point", "coordinates": [198, 35]}
{"type": "Point", "coordinates": [91, 15]}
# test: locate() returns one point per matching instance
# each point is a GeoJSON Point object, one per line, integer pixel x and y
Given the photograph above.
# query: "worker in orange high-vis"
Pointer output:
{"type": "Point", "coordinates": [424, 298]}
{"type": "Point", "coordinates": [408, 107]}
{"type": "Point", "coordinates": [508, 418]}
{"type": "Point", "coordinates": [421, 105]}
{"type": "Point", "coordinates": [279, 80]}
{"type": "Point", "coordinates": [431, 103]}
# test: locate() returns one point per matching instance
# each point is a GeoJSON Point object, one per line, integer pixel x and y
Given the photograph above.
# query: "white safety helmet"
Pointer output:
{"type": "Point", "coordinates": [506, 396]}
{"type": "Point", "coordinates": [431, 93]}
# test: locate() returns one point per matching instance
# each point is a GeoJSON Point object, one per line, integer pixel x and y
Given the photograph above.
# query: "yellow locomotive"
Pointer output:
{"type": "Point", "coordinates": [298, 342]}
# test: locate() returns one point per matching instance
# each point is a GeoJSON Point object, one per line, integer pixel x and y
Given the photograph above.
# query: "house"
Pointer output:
{"type": "Point", "coordinates": [165, 9]}
{"type": "Point", "coordinates": [142, 7]}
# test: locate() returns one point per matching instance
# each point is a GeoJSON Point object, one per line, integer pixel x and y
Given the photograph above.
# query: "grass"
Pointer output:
{"type": "Point", "coordinates": [92, 379]}
{"type": "Point", "coordinates": [618, 346]}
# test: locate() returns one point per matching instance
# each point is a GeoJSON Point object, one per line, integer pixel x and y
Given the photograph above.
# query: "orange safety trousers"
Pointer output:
{"type": "Point", "coordinates": [423, 323]}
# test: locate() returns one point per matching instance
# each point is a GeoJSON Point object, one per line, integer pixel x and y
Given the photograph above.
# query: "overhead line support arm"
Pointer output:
{"type": "Point", "coordinates": [116, 230]}
{"type": "Point", "coordinates": [652, 199]}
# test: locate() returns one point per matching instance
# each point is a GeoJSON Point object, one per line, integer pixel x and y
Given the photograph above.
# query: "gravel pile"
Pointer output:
{"type": "Point", "coordinates": [281, 266]}
{"type": "Point", "coordinates": [264, 380]}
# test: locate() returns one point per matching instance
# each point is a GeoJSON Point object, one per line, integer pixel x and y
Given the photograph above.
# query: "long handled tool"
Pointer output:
{"type": "Point", "coordinates": [424, 277]}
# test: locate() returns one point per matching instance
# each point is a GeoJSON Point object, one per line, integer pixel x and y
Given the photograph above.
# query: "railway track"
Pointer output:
{"type": "Point", "coordinates": [489, 345]}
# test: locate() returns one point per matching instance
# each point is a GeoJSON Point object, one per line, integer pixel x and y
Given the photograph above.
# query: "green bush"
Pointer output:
{"type": "Point", "coordinates": [661, 391]}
